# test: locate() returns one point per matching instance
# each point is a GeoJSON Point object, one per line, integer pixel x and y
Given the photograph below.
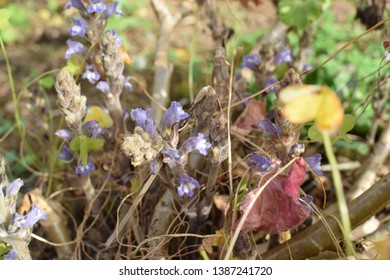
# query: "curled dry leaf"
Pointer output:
{"type": "Point", "coordinates": [277, 209]}
{"type": "Point", "coordinates": [254, 112]}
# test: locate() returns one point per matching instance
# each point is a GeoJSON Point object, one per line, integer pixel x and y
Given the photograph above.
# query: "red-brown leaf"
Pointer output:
{"type": "Point", "coordinates": [278, 208]}
{"type": "Point", "coordinates": [254, 112]}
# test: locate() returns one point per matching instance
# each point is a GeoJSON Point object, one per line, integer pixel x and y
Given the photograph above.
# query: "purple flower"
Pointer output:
{"type": "Point", "coordinates": [174, 114]}
{"type": "Point", "coordinates": [11, 255]}
{"type": "Point", "coordinates": [314, 163]}
{"type": "Point", "coordinates": [93, 128]}
{"type": "Point", "coordinates": [29, 220]}
{"type": "Point", "coordinates": [283, 57]}
{"type": "Point", "coordinates": [91, 74]}
{"type": "Point", "coordinates": [112, 9]}
{"type": "Point", "coordinates": [74, 47]}
{"type": "Point", "coordinates": [142, 119]}
{"type": "Point", "coordinates": [297, 149]}
{"type": "Point", "coordinates": [103, 86]}
{"type": "Point", "coordinates": [187, 186]}
{"type": "Point", "coordinates": [96, 6]}
{"type": "Point", "coordinates": [14, 187]}
{"type": "Point", "coordinates": [269, 82]}
{"type": "Point", "coordinates": [79, 27]}
{"type": "Point", "coordinates": [265, 164]}
{"type": "Point", "coordinates": [65, 153]}
{"type": "Point", "coordinates": [173, 154]}
{"type": "Point", "coordinates": [196, 143]}
{"type": "Point", "coordinates": [64, 134]}
{"type": "Point", "coordinates": [78, 4]}
{"type": "Point", "coordinates": [126, 84]}
{"type": "Point", "coordinates": [271, 130]}
{"type": "Point", "coordinates": [251, 61]}
{"type": "Point", "coordinates": [85, 170]}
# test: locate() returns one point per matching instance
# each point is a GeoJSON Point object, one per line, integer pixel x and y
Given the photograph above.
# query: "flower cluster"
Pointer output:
{"type": "Point", "coordinates": [91, 25]}
{"type": "Point", "coordinates": [255, 63]}
{"type": "Point", "coordinates": [273, 133]}
{"type": "Point", "coordinates": [73, 106]}
{"type": "Point", "coordinates": [15, 229]}
{"type": "Point", "coordinates": [158, 144]}
{"type": "Point", "coordinates": [91, 130]}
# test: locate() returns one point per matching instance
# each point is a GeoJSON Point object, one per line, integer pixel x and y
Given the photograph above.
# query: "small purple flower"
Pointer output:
{"type": "Point", "coordinates": [174, 114]}
{"type": "Point", "coordinates": [14, 187]}
{"type": "Point", "coordinates": [196, 143]}
{"type": "Point", "coordinates": [297, 149]}
{"type": "Point", "coordinates": [142, 119]}
{"type": "Point", "coordinates": [103, 86]}
{"type": "Point", "coordinates": [271, 130]}
{"type": "Point", "coordinates": [173, 154]}
{"type": "Point", "coordinates": [93, 128]}
{"type": "Point", "coordinates": [64, 134]}
{"type": "Point", "coordinates": [314, 163]}
{"type": "Point", "coordinates": [78, 4]}
{"type": "Point", "coordinates": [85, 170]}
{"type": "Point", "coordinates": [91, 74]}
{"type": "Point", "coordinates": [79, 27]}
{"type": "Point", "coordinates": [269, 82]}
{"type": "Point", "coordinates": [11, 255]}
{"type": "Point", "coordinates": [265, 164]}
{"type": "Point", "coordinates": [251, 61]}
{"type": "Point", "coordinates": [187, 186]}
{"type": "Point", "coordinates": [283, 57]}
{"type": "Point", "coordinates": [29, 220]}
{"type": "Point", "coordinates": [96, 6]}
{"type": "Point", "coordinates": [140, 116]}
{"type": "Point", "coordinates": [74, 47]}
{"type": "Point", "coordinates": [65, 153]}
{"type": "Point", "coordinates": [126, 84]}
{"type": "Point", "coordinates": [112, 9]}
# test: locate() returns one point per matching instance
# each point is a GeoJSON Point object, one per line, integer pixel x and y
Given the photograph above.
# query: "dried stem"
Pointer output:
{"type": "Point", "coordinates": [376, 159]}
{"type": "Point", "coordinates": [163, 69]}
{"type": "Point", "coordinates": [129, 215]}
{"type": "Point", "coordinates": [162, 218]}
{"type": "Point", "coordinates": [55, 225]}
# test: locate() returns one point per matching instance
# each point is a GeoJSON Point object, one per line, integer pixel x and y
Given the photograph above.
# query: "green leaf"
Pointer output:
{"type": "Point", "coordinates": [19, 15]}
{"type": "Point", "coordinates": [349, 122]}
{"type": "Point", "coordinates": [4, 18]}
{"type": "Point", "coordinates": [299, 13]}
{"type": "Point", "coordinates": [314, 134]}
{"type": "Point", "coordinates": [47, 82]}
{"type": "Point", "coordinates": [75, 65]}
{"type": "Point", "coordinates": [84, 145]}
{"type": "Point", "coordinates": [3, 248]}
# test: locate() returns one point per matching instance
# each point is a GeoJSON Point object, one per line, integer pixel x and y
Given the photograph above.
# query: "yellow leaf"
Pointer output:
{"type": "Point", "coordinates": [98, 114]}
{"type": "Point", "coordinates": [307, 103]}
